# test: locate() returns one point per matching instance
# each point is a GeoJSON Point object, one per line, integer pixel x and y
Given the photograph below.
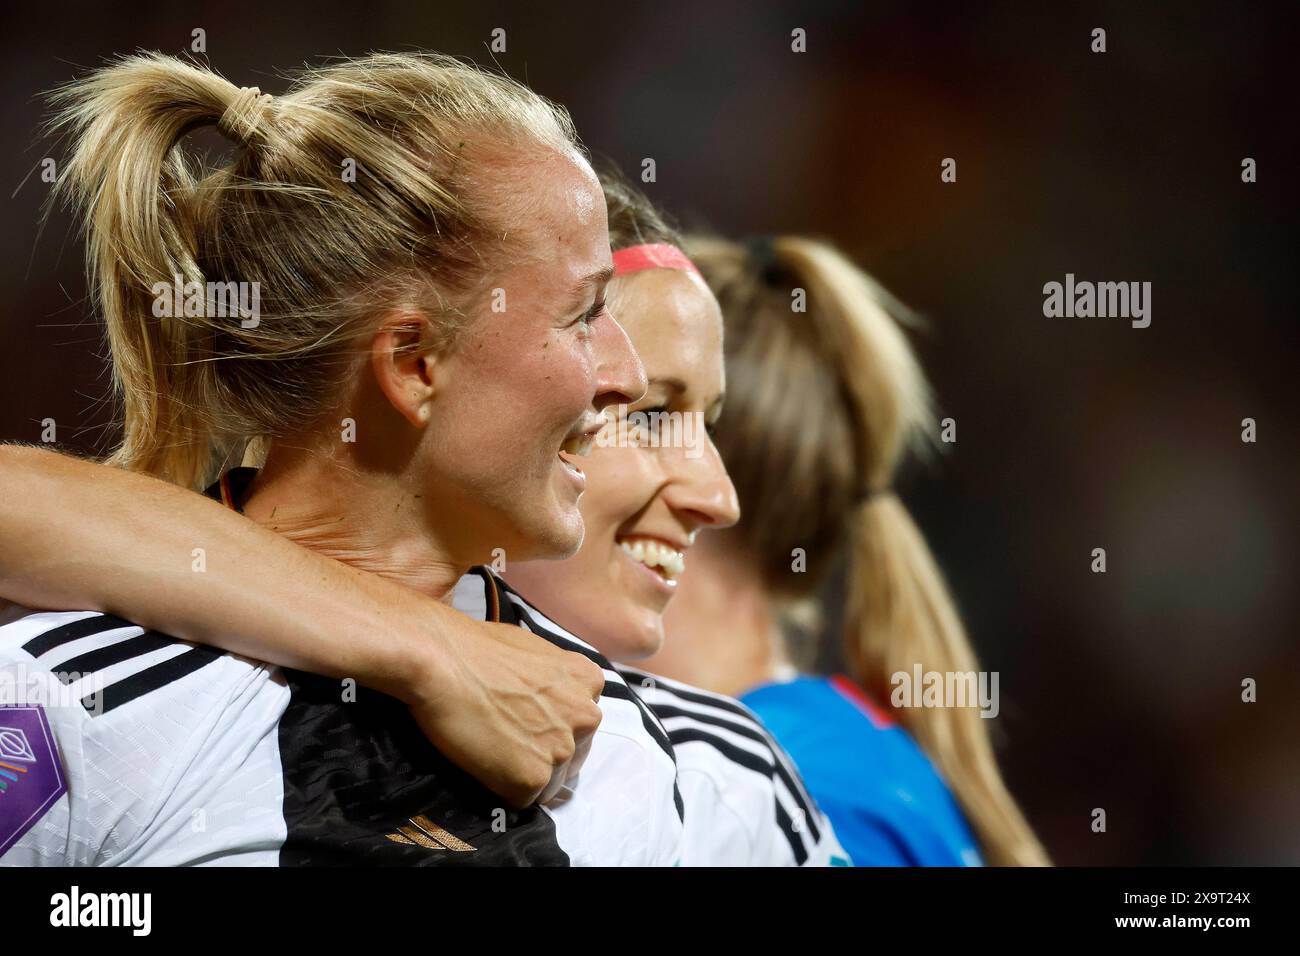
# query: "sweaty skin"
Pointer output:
{"type": "Point", "coordinates": [641, 493]}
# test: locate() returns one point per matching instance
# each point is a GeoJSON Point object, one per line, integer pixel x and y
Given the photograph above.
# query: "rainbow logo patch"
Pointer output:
{"type": "Point", "coordinates": [31, 776]}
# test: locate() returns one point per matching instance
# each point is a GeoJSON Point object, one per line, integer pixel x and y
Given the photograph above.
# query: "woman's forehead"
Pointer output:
{"type": "Point", "coordinates": [673, 322]}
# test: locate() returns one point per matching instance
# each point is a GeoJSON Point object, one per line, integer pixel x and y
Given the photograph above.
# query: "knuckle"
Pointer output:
{"type": "Point", "coordinates": [591, 718]}
{"type": "Point", "coordinates": [592, 675]}
{"type": "Point", "coordinates": [537, 779]}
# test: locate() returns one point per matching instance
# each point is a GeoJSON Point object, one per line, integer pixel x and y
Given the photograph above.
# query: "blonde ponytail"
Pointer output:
{"type": "Point", "coordinates": [141, 210]}
{"type": "Point", "coordinates": [816, 473]}
{"type": "Point", "coordinates": [900, 614]}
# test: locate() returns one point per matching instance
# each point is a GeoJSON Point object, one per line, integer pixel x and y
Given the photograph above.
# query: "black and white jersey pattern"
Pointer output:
{"type": "Point", "coordinates": [746, 804]}
{"type": "Point", "coordinates": [639, 798]}
{"type": "Point", "coordinates": [176, 754]}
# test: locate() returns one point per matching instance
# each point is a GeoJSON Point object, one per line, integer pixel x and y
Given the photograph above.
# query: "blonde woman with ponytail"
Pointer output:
{"type": "Point", "coordinates": [407, 429]}
{"type": "Point", "coordinates": [822, 406]}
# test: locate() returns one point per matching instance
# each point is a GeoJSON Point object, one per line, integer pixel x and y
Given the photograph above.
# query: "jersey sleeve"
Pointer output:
{"type": "Point", "coordinates": [821, 844]}
{"type": "Point", "coordinates": [827, 850]}
{"type": "Point", "coordinates": [121, 747]}
{"type": "Point", "coordinates": [746, 803]}
{"type": "Point", "coordinates": [720, 830]}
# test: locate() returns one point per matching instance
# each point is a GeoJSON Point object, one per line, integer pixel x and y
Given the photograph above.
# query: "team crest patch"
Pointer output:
{"type": "Point", "coordinates": [31, 777]}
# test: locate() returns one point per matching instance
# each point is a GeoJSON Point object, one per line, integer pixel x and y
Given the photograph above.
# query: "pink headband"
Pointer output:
{"type": "Point", "coordinates": [654, 255]}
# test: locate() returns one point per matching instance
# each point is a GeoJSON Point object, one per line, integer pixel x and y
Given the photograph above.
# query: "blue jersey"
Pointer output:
{"type": "Point", "coordinates": [888, 805]}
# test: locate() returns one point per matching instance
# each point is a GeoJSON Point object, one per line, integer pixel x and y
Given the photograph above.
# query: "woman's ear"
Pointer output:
{"type": "Point", "coordinates": [405, 367]}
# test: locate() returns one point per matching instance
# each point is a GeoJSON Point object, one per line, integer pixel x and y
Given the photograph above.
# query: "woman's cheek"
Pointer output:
{"type": "Point", "coordinates": [550, 385]}
{"type": "Point", "coordinates": [621, 482]}
{"type": "Point", "coordinates": [572, 368]}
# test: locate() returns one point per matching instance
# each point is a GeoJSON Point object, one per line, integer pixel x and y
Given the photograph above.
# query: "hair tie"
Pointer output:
{"type": "Point", "coordinates": [242, 117]}
{"type": "Point", "coordinates": [867, 495]}
{"type": "Point", "coordinates": [762, 259]}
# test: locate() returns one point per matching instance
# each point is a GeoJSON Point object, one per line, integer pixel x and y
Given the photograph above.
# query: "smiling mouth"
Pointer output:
{"type": "Point", "coordinates": [667, 562]}
{"type": "Point", "coordinates": [578, 446]}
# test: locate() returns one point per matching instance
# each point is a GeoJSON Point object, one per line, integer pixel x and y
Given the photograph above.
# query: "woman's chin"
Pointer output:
{"type": "Point", "coordinates": [560, 538]}
{"type": "Point", "coordinates": [638, 640]}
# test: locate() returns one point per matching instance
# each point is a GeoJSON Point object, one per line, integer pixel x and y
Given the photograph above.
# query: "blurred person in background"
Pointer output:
{"type": "Point", "coordinates": [823, 403]}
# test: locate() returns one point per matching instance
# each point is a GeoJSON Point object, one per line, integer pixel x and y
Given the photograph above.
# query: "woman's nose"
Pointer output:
{"type": "Point", "coordinates": [620, 376]}
{"type": "Point", "coordinates": [701, 491]}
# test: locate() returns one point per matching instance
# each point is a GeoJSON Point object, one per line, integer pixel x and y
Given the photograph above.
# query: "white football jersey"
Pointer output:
{"type": "Point", "coordinates": [746, 804]}
{"type": "Point", "coordinates": [122, 746]}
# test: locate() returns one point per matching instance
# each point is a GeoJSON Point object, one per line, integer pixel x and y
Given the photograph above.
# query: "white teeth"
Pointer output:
{"type": "Point", "coordinates": [579, 445]}
{"type": "Point", "coordinates": [655, 554]}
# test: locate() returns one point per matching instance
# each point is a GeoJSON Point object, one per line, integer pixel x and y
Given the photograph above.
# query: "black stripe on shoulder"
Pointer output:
{"type": "Point", "coordinates": [666, 711]}
{"type": "Point", "coordinates": [102, 657]}
{"type": "Point", "coordinates": [652, 726]}
{"type": "Point", "coordinates": [752, 729]}
{"type": "Point", "coordinates": [66, 633]}
{"type": "Point", "coordinates": [738, 755]}
{"type": "Point", "coordinates": [151, 678]}
{"type": "Point", "coordinates": [694, 695]}
{"type": "Point", "coordinates": [790, 777]}
{"type": "Point", "coordinates": [524, 619]}
{"type": "Point", "coordinates": [787, 827]}
{"type": "Point", "coordinates": [801, 797]}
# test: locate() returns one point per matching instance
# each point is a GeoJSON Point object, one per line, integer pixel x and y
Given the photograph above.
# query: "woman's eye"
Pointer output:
{"type": "Point", "coordinates": [652, 424]}
{"type": "Point", "coordinates": [597, 309]}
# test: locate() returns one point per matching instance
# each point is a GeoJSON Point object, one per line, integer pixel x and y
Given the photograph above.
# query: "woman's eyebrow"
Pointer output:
{"type": "Point", "coordinates": [599, 278]}
{"type": "Point", "coordinates": [670, 382]}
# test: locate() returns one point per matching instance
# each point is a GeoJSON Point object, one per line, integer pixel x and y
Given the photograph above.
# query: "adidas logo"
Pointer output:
{"type": "Point", "coordinates": [421, 831]}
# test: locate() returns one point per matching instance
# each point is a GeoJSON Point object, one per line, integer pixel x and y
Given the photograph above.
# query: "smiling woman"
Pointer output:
{"type": "Point", "coordinates": [649, 499]}
{"type": "Point", "coordinates": [743, 800]}
{"type": "Point", "coordinates": [375, 310]}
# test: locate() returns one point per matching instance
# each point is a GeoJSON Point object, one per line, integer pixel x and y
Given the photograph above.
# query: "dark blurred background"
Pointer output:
{"type": "Point", "coordinates": [1119, 690]}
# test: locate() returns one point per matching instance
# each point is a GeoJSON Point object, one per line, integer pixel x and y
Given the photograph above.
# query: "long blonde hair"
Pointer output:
{"type": "Point", "coordinates": [409, 228]}
{"type": "Point", "coordinates": [822, 406]}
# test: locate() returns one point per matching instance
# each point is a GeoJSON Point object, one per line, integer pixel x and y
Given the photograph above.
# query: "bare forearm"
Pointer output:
{"type": "Point", "coordinates": [74, 534]}
{"type": "Point", "coordinates": [512, 710]}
